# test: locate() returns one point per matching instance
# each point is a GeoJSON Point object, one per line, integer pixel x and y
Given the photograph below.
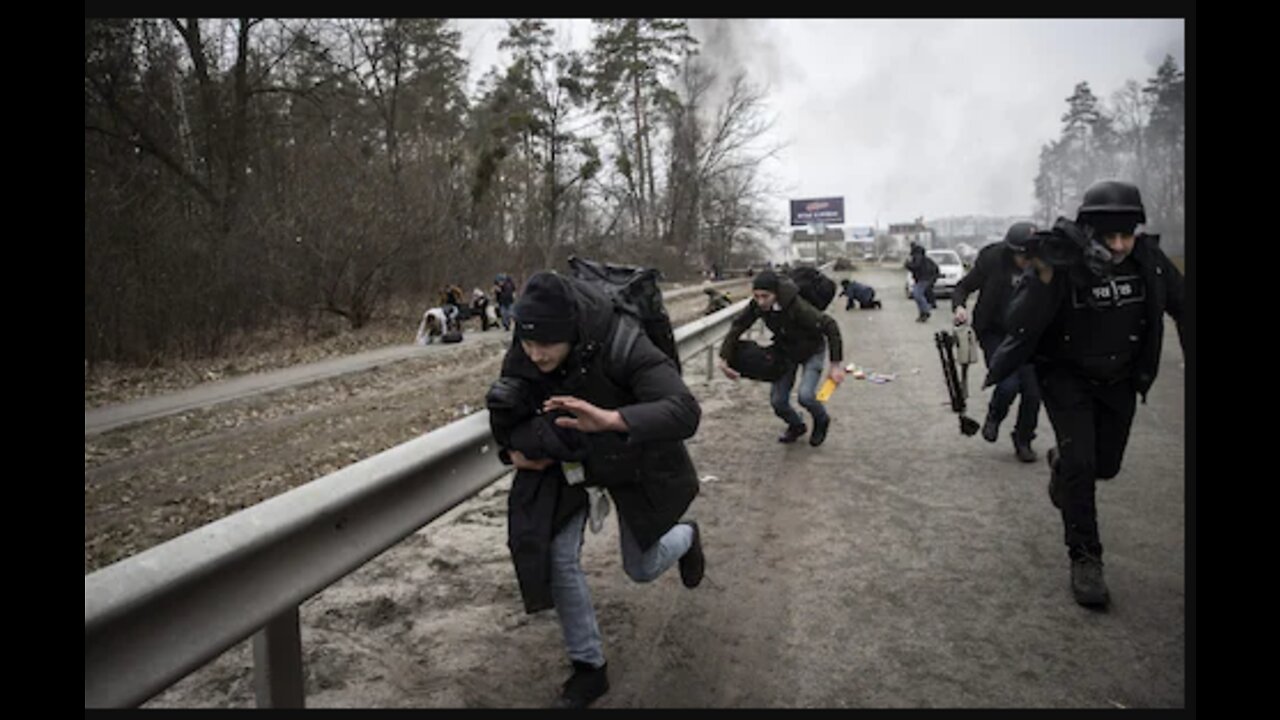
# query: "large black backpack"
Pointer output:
{"type": "Point", "coordinates": [815, 287]}
{"type": "Point", "coordinates": [634, 290]}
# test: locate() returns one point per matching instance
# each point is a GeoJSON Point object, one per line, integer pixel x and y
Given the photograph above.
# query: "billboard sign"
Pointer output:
{"type": "Point", "coordinates": [828, 211]}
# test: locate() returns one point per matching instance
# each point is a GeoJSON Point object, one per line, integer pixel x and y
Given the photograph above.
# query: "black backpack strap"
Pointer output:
{"type": "Point", "coordinates": [624, 339]}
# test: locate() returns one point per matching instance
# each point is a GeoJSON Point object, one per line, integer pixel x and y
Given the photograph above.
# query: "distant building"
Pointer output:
{"type": "Point", "coordinates": [902, 235]}
{"type": "Point", "coordinates": [818, 248]}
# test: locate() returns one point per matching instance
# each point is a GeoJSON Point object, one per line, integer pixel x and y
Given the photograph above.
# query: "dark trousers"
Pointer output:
{"type": "Point", "coordinates": [1091, 421]}
{"type": "Point", "coordinates": [1024, 382]}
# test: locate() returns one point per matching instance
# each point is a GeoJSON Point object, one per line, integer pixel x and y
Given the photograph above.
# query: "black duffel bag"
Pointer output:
{"type": "Point", "coordinates": [759, 362]}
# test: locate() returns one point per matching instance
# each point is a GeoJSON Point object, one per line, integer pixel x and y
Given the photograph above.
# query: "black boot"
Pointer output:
{"type": "Point", "coordinates": [584, 687]}
{"type": "Point", "coordinates": [990, 428]}
{"type": "Point", "coordinates": [693, 564]}
{"type": "Point", "coordinates": [1023, 449]}
{"type": "Point", "coordinates": [819, 431]}
{"type": "Point", "coordinates": [1087, 583]}
{"type": "Point", "coordinates": [793, 433]}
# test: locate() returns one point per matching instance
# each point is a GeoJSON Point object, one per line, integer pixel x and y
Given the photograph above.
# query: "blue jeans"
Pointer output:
{"type": "Point", "coordinates": [504, 313]}
{"type": "Point", "coordinates": [569, 583]}
{"type": "Point", "coordinates": [920, 292]}
{"type": "Point", "coordinates": [780, 397]}
{"type": "Point", "coordinates": [1023, 381]}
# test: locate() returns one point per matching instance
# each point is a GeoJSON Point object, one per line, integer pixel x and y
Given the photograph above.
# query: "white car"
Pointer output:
{"type": "Point", "coordinates": [950, 270]}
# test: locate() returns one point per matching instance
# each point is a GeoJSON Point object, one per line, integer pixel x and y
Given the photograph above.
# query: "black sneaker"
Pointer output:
{"type": "Point", "coordinates": [1023, 450]}
{"type": "Point", "coordinates": [793, 433]}
{"type": "Point", "coordinates": [1055, 487]}
{"type": "Point", "coordinates": [819, 431]}
{"type": "Point", "coordinates": [693, 563]}
{"type": "Point", "coordinates": [1087, 583]}
{"type": "Point", "coordinates": [584, 687]}
{"type": "Point", "coordinates": [990, 429]}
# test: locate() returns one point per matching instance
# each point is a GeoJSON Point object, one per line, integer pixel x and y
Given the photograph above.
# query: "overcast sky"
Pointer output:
{"type": "Point", "coordinates": [907, 118]}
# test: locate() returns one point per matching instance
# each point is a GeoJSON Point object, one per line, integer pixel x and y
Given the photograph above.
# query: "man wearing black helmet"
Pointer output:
{"type": "Point", "coordinates": [1090, 315]}
{"type": "Point", "coordinates": [998, 267]}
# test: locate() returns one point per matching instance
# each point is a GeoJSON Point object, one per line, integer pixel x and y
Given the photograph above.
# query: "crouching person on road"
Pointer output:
{"type": "Point", "coordinates": [801, 332]}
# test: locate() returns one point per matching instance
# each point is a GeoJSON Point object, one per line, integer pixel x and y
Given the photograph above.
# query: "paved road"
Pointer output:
{"type": "Point", "coordinates": [899, 565]}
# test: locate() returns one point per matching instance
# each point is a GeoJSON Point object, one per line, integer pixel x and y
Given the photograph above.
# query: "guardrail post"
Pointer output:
{"type": "Point", "coordinates": [277, 662]}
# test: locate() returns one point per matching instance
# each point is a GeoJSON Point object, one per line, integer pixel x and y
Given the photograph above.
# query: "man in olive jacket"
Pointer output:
{"type": "Point", "coordinates": [594, 366]}
{"type": "Point", "coordinates": [800, 332]}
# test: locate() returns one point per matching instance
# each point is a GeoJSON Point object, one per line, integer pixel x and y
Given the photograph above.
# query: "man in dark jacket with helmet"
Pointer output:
{"type": "Point", "coordinates": [634, 410]}
{"type": "Point", "coordinates": [1090, 315]}
{"type": "Point", "coordinates": [998, 266]}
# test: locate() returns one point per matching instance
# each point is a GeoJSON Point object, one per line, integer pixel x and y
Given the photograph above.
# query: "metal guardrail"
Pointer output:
{"type": "Point", "coordinates": [681, 293]}
{"type": "Point", "coordinates": [155, 617]}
